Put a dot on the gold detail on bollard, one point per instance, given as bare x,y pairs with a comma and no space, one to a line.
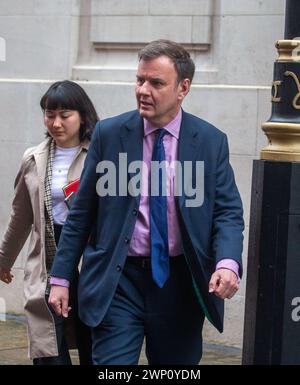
284,141
275,86
284,136
296,98
288,50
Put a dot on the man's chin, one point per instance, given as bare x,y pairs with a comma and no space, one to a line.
144,113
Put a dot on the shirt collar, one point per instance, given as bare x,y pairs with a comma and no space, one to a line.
173,127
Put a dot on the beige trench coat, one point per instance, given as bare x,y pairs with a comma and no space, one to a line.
27,217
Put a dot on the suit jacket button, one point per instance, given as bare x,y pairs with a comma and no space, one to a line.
119,268
134,212
127,240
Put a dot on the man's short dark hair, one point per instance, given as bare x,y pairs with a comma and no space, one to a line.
183,63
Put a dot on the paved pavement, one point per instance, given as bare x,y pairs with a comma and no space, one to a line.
13,347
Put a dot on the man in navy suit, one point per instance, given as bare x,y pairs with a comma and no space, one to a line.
154,264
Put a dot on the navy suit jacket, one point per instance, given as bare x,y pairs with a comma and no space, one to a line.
100,228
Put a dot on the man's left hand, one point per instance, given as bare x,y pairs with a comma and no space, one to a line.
224,283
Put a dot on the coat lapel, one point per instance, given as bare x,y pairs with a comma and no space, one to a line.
40,156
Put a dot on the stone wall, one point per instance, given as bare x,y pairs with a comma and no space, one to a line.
95,42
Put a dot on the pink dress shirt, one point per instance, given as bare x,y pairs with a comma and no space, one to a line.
140,241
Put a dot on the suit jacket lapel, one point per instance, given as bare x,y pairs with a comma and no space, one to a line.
132,141
190,145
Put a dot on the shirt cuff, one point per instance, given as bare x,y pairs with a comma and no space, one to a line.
230,264
59,282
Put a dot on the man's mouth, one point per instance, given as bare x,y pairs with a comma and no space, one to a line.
145,104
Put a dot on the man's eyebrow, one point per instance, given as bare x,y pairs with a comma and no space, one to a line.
152,80
157,80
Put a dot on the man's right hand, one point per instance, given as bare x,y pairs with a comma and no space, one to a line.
59,300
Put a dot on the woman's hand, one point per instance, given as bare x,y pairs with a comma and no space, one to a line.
5,275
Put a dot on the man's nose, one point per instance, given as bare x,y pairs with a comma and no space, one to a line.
145,88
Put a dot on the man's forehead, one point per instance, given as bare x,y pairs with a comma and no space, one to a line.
156,66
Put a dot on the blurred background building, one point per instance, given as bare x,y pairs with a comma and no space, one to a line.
95,42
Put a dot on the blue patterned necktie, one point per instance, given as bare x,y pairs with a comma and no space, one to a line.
158,219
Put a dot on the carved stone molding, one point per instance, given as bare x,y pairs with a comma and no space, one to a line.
112,32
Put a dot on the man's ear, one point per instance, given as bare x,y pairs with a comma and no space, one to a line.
184,89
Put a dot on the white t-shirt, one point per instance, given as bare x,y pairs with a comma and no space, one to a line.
63,158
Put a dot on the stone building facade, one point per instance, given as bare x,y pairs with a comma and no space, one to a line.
95,42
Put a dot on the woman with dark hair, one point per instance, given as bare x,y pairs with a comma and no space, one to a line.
39,208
